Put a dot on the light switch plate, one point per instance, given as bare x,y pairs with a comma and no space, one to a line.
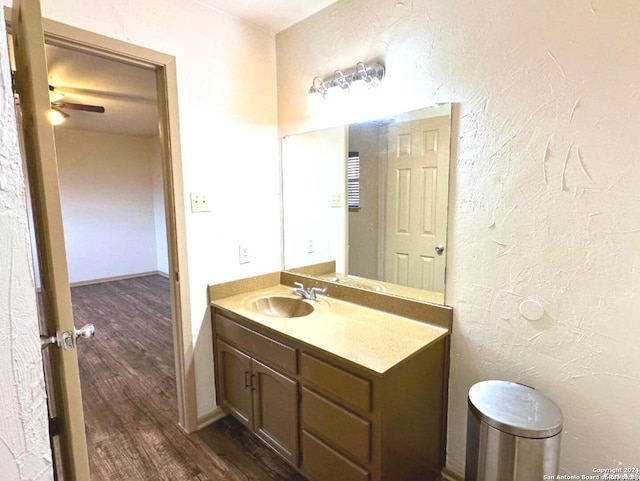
336,200
244,254
200,202
310,248
204,202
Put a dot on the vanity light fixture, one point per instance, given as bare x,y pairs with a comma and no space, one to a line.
316,94
339,87
360,82
355,82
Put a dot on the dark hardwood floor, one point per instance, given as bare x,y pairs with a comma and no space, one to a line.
129,394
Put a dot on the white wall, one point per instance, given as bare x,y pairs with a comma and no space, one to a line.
24,443
545,200
108,203
159,215
313,171
368,140
226,90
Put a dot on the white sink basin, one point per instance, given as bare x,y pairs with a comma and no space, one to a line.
281,306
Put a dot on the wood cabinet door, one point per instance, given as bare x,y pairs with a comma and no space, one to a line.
234,371
275,410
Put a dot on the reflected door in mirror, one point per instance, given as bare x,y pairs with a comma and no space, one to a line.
417,200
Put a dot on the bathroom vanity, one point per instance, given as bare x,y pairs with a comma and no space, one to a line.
352,388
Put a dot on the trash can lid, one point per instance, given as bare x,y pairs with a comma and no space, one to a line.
515,409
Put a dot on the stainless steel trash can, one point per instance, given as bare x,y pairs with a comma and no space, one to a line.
513,433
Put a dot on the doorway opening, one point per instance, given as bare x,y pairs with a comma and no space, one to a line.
113,198
104,242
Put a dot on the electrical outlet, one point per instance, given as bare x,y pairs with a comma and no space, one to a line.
199,202
244,254
310,248
336,200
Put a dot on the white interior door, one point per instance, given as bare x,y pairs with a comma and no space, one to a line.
40,152
417,201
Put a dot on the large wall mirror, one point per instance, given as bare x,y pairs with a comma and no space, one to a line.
372,197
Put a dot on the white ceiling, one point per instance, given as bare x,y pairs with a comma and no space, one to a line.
127,93
271,15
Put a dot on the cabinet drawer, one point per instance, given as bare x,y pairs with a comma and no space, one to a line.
343,385
337,425
324,464
268,350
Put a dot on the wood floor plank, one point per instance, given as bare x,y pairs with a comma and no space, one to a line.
129,393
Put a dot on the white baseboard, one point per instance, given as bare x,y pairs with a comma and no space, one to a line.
118,278
449,475
210,418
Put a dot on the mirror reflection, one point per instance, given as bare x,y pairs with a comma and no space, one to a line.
372,197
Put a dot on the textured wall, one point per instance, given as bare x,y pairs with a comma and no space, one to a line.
24,441
545,197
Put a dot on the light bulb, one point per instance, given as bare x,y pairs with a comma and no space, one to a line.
336,93
358,87
315,102
56,117
315,99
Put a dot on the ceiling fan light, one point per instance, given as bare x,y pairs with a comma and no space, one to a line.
56,116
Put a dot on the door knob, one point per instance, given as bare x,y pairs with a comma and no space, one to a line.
86,332
67,339
440,249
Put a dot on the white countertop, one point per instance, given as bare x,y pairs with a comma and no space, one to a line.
368,337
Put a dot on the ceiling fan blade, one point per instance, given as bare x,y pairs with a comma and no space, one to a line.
87,108
54,95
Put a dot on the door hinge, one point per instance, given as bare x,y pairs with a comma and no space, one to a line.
177,276
55,426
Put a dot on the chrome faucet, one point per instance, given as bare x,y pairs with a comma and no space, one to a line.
309,294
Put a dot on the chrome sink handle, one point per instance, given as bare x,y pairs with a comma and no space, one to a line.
317,290
309,294
299,290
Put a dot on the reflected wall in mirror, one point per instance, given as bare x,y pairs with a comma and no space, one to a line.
372,197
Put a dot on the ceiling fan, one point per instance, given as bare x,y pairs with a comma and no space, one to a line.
58,115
